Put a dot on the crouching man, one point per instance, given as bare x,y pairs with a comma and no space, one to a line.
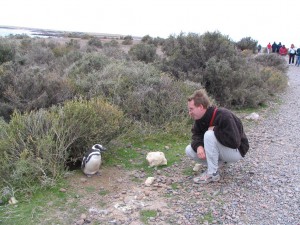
217,136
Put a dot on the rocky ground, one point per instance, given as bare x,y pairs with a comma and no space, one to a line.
262,189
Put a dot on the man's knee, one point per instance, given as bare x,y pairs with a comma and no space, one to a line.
188,150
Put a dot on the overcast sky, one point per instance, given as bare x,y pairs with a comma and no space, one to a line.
263,20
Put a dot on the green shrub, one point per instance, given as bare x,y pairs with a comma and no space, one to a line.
158,41
89,122
115,52
247,43
28,153
91,62
83,74
35,147
95,42
7,51
143,52
112,43
128,40
60,51
188,54
73,44
147,39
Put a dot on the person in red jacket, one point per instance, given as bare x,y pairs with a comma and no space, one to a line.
283,50
269,46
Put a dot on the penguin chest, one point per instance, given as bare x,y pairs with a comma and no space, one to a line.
93,165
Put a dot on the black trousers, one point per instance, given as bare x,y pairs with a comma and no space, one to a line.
291,58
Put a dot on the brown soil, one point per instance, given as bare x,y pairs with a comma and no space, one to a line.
114,195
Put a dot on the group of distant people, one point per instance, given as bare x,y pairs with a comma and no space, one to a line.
282,50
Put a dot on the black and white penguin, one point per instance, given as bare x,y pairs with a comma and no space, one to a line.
92,160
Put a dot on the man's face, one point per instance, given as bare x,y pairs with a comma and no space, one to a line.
195,112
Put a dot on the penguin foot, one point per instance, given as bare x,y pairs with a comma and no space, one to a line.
89,175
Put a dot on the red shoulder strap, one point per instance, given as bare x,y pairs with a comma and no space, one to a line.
213,117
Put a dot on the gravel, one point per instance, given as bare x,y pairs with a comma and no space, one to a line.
263,188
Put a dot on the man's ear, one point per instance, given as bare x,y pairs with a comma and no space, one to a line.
201,106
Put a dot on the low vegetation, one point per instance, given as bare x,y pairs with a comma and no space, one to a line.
58,98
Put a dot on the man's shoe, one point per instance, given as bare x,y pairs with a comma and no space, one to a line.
206,178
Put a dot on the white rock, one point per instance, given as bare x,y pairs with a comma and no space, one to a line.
12,201
197,167
252,116
156,159
149,181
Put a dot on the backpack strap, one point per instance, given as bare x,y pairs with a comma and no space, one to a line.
213,117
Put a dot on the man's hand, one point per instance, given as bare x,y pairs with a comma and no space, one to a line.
201,152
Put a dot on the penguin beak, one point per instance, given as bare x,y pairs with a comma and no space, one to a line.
103,149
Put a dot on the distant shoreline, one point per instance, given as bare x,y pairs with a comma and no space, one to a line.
56,33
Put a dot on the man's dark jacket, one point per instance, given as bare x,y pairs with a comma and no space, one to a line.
228,129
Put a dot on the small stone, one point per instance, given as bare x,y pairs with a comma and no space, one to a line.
149,181
197,167
80,222
83,216
12,201
83,180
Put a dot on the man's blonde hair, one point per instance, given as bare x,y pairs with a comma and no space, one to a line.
200,97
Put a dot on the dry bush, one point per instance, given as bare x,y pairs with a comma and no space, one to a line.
142,92
188,54
276,81
38,53
34,88
246,53
272,60
235,88
115,53
60,51
232,77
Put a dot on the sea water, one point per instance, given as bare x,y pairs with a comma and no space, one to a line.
6,32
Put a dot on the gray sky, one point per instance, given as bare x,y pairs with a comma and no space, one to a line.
263,20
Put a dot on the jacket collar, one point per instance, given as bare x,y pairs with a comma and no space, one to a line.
207,116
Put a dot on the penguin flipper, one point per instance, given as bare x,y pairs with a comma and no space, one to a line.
83,162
